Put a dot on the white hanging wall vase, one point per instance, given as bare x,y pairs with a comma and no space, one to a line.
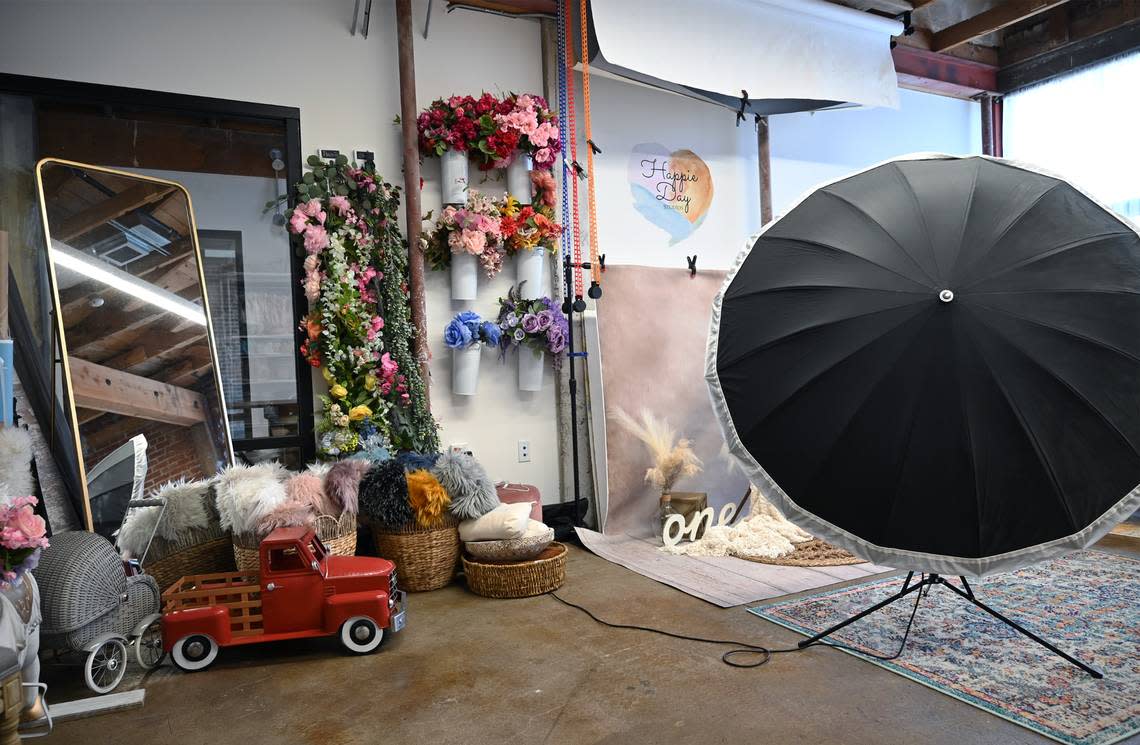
518,177
530,368
465,369
464,276
529,268
453,176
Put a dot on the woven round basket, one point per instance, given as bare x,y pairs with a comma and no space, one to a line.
338,534
207,557
425,557
521,579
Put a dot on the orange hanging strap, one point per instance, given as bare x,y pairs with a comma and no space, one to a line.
572,138
595,268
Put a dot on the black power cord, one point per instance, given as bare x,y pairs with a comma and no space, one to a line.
745,648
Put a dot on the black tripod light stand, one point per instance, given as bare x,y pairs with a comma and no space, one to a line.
929,581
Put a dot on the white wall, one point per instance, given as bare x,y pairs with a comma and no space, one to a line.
296,53
806,149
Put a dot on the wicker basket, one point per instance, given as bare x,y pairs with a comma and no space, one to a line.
425,557
247,552
197,551
521,579
338,534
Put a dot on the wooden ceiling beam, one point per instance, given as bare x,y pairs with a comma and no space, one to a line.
104,389
178,277
994,19
942,74
128,200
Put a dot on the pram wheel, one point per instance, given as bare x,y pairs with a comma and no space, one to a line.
105,666
148,645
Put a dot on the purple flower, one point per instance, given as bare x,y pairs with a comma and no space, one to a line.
512,319
545,319
556,339
530,323
519,335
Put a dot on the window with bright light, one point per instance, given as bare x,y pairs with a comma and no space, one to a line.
1083,127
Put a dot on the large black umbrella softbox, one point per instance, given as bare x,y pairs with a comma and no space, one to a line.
935,364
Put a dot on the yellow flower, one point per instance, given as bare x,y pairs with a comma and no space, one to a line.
356,413
369,382
338,391
326,375
510,207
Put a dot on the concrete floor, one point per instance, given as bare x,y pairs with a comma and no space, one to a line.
471,670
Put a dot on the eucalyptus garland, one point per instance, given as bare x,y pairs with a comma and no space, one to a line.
357,331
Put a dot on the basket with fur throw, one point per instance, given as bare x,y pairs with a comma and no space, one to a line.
255,500
411,516
188,539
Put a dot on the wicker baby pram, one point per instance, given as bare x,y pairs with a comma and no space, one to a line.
90,605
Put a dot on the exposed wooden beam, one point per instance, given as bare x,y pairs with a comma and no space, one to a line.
104,389
125,201
178,277
1069,58
942,74
994,19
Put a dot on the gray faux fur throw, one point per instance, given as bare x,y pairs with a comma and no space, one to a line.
187,507
247,494
471,490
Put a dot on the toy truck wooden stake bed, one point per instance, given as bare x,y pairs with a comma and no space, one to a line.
302,592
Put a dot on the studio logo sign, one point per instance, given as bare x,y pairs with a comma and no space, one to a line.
671,189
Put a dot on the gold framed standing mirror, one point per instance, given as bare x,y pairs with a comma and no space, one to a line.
136,352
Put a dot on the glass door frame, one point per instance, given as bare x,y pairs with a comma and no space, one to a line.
49,89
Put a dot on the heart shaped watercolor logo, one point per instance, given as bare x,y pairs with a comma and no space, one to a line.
673,190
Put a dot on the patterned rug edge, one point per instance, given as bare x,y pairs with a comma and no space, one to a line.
760,612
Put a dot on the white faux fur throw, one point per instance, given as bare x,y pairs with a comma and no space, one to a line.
186,508
764,534
246,494
15,462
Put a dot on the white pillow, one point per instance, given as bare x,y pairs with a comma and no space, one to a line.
503,522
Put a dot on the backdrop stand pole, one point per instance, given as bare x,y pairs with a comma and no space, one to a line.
764,157
968,593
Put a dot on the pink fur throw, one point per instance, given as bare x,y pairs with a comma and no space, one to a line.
342,483
286,515
306,489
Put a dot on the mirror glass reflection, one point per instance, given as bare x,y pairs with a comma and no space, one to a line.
141,376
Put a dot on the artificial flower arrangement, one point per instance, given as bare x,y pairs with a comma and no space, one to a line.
467,329
538,324
465,124
23,534
528,119
491,129
358,331
474,229
531,227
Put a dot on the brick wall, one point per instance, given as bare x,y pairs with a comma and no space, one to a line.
173,452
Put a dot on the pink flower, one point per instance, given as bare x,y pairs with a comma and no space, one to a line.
316,239
340,205
30,524
543,134
311,262
473,242
299,220
312,286
388,366
312,208
543,157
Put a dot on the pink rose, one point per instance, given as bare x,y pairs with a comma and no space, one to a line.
340,204
298,221
473,242
543,134
543,157
316,239
29,523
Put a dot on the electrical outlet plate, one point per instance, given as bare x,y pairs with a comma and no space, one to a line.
524,451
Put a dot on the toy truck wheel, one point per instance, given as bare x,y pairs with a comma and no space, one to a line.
194,652
361,635
105,666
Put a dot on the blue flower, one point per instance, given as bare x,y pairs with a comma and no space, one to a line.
490,333
457,335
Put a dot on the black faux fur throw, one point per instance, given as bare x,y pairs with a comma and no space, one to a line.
417,461
471,489
384,495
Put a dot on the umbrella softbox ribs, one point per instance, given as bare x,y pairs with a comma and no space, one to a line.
935,364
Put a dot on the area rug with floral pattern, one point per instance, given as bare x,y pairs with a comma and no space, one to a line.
1087,603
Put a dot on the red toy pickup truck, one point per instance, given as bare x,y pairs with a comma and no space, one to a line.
302,592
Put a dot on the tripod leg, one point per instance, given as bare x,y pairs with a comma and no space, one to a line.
907,589
969,595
